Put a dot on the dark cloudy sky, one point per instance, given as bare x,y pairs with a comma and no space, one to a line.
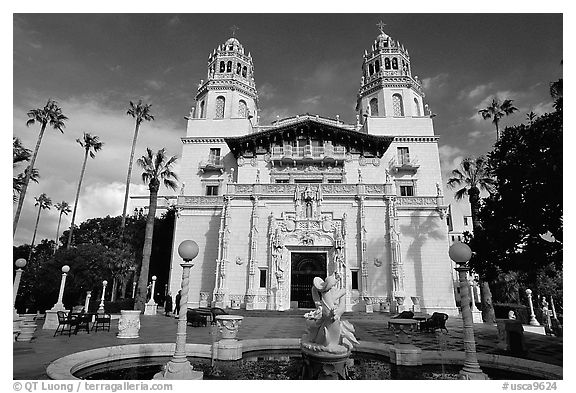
94,64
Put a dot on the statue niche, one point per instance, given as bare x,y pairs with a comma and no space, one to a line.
308,202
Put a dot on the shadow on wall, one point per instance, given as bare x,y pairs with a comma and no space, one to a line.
207,275
421,229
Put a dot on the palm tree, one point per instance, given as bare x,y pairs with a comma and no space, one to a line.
140,112
496,111
91,145
64,208
43,202
51,115
474,176
531,117
19,155
157,167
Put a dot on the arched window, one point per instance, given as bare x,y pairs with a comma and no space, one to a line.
417,107
242,109
220,102
244,71
387,63
377,66
222,66
202,114
229,66
374,107
397,106
394,63
238,68
371,69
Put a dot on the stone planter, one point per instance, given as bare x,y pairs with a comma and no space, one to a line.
129,324
229,348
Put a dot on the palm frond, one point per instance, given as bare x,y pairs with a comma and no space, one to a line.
458,195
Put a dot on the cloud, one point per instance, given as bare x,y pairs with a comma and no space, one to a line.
266,91
450,157
311,100
115,68
154,84
476,91
435,83
174,21
60,158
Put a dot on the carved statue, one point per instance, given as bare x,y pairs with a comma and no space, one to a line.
387,171
326,332
182,188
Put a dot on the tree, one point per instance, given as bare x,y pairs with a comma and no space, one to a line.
523,218
43,202
51,115
20,154
139,112
64,208
91,145
473,176
496,111
157,168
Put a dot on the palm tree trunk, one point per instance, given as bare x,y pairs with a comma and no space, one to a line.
488,314
34,236
114,288
27,180
147,250
497,132
76,201
57,233
123,222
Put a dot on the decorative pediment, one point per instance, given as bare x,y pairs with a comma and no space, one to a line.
335,139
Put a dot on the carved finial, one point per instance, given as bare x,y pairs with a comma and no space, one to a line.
359,176
257,176
234,29
182,188
381,26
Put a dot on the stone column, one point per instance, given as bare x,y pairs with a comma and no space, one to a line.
415,303
364,293
476,314
101,305
87,301
461,254
133,289
224,240
533,320
20,263
249,298
51,321
151,306
179,367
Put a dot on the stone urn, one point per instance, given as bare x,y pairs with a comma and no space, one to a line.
229,348
129,324
27,328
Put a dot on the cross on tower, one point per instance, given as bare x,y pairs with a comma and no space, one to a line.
234,28
381,26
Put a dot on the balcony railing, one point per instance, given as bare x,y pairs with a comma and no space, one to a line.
405,163
214,163
308,152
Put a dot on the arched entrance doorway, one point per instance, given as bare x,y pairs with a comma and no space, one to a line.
305,266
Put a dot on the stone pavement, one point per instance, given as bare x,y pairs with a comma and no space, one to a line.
31,359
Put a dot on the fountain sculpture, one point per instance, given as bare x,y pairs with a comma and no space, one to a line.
328,341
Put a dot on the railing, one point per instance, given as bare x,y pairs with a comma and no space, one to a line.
308,151
405,162
213,162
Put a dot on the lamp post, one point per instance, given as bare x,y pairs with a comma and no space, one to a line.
59,305
153,289
101,306
533,320
87,301
179,367
133,289
20,263
461,254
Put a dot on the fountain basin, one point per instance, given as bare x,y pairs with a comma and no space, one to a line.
66,367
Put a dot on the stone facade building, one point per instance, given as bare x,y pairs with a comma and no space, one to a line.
273,206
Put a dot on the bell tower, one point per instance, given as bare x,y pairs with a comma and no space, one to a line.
387,87
229,92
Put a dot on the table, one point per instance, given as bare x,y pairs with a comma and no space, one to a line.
420,318
81,320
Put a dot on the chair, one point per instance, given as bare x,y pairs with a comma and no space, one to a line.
102,321
196,317
217,311
80,320
64,323
404,315
436,321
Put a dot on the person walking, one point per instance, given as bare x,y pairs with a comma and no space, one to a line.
168,305
177,305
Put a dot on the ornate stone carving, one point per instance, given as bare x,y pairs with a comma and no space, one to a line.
244,189
239,261
241,161
129,324
374,188
200,201
416,201
253,161
362,161
377,262
376,161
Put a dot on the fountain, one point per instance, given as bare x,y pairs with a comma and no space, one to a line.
327,344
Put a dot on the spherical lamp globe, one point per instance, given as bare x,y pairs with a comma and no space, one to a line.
65,269
188,250
104,282
20,263
153,278
460,252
